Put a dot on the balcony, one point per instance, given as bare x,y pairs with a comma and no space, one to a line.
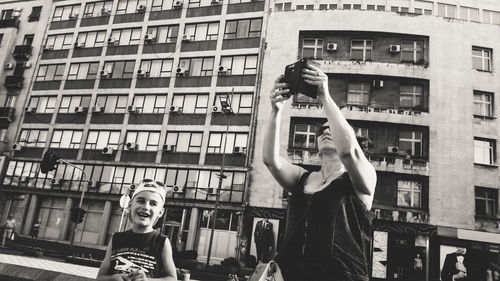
134,17
165,14
55,54
400,165
487,223
22,52
204,11
399,214
180,157
236,80
122,50
194,46
70,23
9,23
14,82
304,157
241,43
248,7
186,119
93,21
152,82
375,68
237,160
7,115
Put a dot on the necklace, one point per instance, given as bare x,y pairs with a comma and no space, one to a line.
325,180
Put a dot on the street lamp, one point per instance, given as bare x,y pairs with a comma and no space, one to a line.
225,102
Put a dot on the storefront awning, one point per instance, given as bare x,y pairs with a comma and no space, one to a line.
405,228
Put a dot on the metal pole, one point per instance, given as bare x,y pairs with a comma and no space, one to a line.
121,220
221,176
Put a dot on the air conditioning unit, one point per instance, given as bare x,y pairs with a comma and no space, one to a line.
215,2
239,150
23,179
177,4
378,83
16,147
48,47
30,109
222,70
216,109
181,72
16,13
149,38
132,109
79,45
140,73
103,74
111,41
169,147
26,64
332,47
186,38
178,189
97,109
8,66
175,109
73,16
131,146
141,8
107,150
81,109
393,149
395,48
104,12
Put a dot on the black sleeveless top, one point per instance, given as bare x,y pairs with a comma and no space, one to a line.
334,241
131,251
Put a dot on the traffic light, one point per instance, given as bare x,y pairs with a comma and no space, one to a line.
49,162
77,215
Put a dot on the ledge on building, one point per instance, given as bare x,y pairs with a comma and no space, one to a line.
254,6
22,52
107,118
62,24
165,14
213,10
102,20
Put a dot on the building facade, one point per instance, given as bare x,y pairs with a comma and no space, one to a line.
132,89
419,79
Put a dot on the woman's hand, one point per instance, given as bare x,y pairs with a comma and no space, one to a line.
277,98
314,76
138,275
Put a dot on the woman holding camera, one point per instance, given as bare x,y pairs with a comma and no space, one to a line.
329,223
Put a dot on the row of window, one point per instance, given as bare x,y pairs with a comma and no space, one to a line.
420,8
7,14
241,28
241,103
103,8
192,183
143,140
201,66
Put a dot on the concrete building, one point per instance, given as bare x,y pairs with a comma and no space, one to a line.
132,89
419,78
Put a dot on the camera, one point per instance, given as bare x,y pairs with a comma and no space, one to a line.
296,84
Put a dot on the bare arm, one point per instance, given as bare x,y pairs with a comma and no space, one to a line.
102,275
283,171
361,171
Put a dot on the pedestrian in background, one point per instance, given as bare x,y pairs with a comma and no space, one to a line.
8,232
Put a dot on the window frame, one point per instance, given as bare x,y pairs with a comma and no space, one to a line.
118,98
412,191
141,147
66,43
110,67
209,35
120,36
39,140
317,47
64,15
211,149
57,73
97,12
73,144
88,76
415,50
248,31
485,105
237,106
102,133
365,91
99,38
147,64
157,107
192,146
247,70
364,49
414,141
205,70
49,104
172,33
489,195
197,108
491,147
483,58
83,100
414,94
310,132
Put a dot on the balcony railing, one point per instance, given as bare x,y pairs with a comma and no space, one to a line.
7,113
399,165
304,157
14,82
22,52
401,214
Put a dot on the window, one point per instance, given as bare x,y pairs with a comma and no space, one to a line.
410,142
59,41
470,14
333,6
375,7
97,9
486,201
69,103
197,66
28,39
101,139
145,141
240,65
66,12
33,137
423,7
43,104
112,104
361,49
311,7
156,68
92,39
358,93
11,101
447,10
278,7
66,139
49,72
304,136
410,96
412,51
129,6
185,141
233,140
483,104
240,103
288,6
164,34
312,48
409,194
484,151
346,7
119,69
35,13
192,104
86,70
244,28
481,58
150,103
323,7
7,14
129,36
161,5
491,17
202,31
199,3
360,132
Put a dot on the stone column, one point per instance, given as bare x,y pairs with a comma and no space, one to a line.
30,217
193,224
106,216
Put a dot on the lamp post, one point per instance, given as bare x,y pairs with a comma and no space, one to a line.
225,102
